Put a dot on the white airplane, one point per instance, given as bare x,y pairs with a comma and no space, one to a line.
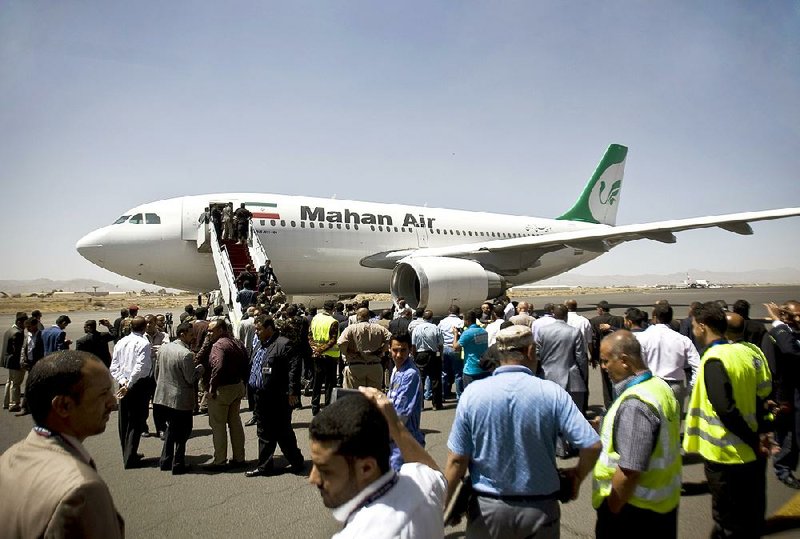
431,256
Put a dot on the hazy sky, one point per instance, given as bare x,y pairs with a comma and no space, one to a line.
495,106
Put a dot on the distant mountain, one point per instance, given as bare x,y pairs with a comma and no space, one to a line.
71,285
763,276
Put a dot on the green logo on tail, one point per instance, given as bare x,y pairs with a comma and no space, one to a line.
613,193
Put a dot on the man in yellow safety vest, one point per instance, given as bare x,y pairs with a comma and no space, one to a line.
723,424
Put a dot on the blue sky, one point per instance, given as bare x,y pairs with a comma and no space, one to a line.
503,107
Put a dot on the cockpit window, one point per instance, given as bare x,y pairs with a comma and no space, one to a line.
136,219
152,219
121,219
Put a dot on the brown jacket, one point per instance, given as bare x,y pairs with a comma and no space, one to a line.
48,490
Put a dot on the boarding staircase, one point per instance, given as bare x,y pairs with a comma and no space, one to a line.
230,259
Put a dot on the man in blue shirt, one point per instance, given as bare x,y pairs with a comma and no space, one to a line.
55,338
428,342
452,366
474,341
505,432
405,392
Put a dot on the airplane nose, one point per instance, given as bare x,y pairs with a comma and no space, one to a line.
90,245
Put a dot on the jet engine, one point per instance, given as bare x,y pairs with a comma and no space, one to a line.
436,283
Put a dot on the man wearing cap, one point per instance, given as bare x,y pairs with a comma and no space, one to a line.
516,485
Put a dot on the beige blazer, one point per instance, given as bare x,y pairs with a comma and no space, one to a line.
48,490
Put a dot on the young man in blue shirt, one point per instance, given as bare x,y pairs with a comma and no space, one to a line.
405,392
474,341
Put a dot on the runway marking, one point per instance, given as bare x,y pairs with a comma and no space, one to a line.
790,509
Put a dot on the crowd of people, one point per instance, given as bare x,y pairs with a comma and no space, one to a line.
715,384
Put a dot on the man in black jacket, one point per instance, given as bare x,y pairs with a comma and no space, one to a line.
95,342
275,376
782,348
12,348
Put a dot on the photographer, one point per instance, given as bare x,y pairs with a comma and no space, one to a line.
95,342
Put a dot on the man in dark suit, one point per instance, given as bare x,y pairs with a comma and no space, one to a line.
95,342
604,324
32,351
12,350
275,376
57,491
176,374
55,338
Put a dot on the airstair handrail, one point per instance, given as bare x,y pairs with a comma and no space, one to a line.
226,279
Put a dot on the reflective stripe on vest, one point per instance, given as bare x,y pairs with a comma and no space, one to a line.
321,332
749,376
659,487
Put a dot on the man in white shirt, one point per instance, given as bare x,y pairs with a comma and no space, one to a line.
581,323
667,353
494,326
130,366
350,452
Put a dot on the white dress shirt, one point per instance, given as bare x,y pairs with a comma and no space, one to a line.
582,324
412,508
492,330
666,352
131,359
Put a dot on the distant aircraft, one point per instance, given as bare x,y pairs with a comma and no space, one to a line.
433,257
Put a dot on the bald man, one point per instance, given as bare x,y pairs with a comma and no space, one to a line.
362,344
637,479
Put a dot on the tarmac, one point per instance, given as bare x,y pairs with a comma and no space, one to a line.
202,504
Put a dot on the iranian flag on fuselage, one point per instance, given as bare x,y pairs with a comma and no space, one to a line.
263,210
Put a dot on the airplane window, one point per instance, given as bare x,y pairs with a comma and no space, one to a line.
339,226
372,227
152,219
347,227
380,228
121,219
283,223
302,224
402,229
136,219
451,232
311,224
493,234
458,232
470,233
430,231
355,226
438,231
272,222
292,223
445,232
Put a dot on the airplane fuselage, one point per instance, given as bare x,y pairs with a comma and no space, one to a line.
316,245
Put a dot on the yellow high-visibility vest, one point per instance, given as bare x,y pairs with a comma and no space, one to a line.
321,332
750,379
659,487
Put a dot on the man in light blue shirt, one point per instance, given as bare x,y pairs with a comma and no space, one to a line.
427,342
505,433
452,366
405,392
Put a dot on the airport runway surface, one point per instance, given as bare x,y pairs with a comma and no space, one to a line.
202,504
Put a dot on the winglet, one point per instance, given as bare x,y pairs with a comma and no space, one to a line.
599,200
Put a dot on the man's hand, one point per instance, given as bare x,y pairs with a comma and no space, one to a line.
121,392
384,405
293,399
774,311
572,474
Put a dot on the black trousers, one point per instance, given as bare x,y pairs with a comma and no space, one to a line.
738,498
787,434
179,428
324,374
274,428
634,522
430,366
132,417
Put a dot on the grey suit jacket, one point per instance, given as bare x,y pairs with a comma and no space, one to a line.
50,491
562,356
175,376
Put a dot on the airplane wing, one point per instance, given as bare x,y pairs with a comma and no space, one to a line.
512,256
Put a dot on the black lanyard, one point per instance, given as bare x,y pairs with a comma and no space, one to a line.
386,487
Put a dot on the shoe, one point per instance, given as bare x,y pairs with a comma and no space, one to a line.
14,408
237,464
179,469
24,411
215,466
438,407
299,467
790,481
250,422
259,472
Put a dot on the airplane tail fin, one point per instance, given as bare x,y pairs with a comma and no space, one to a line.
599,200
